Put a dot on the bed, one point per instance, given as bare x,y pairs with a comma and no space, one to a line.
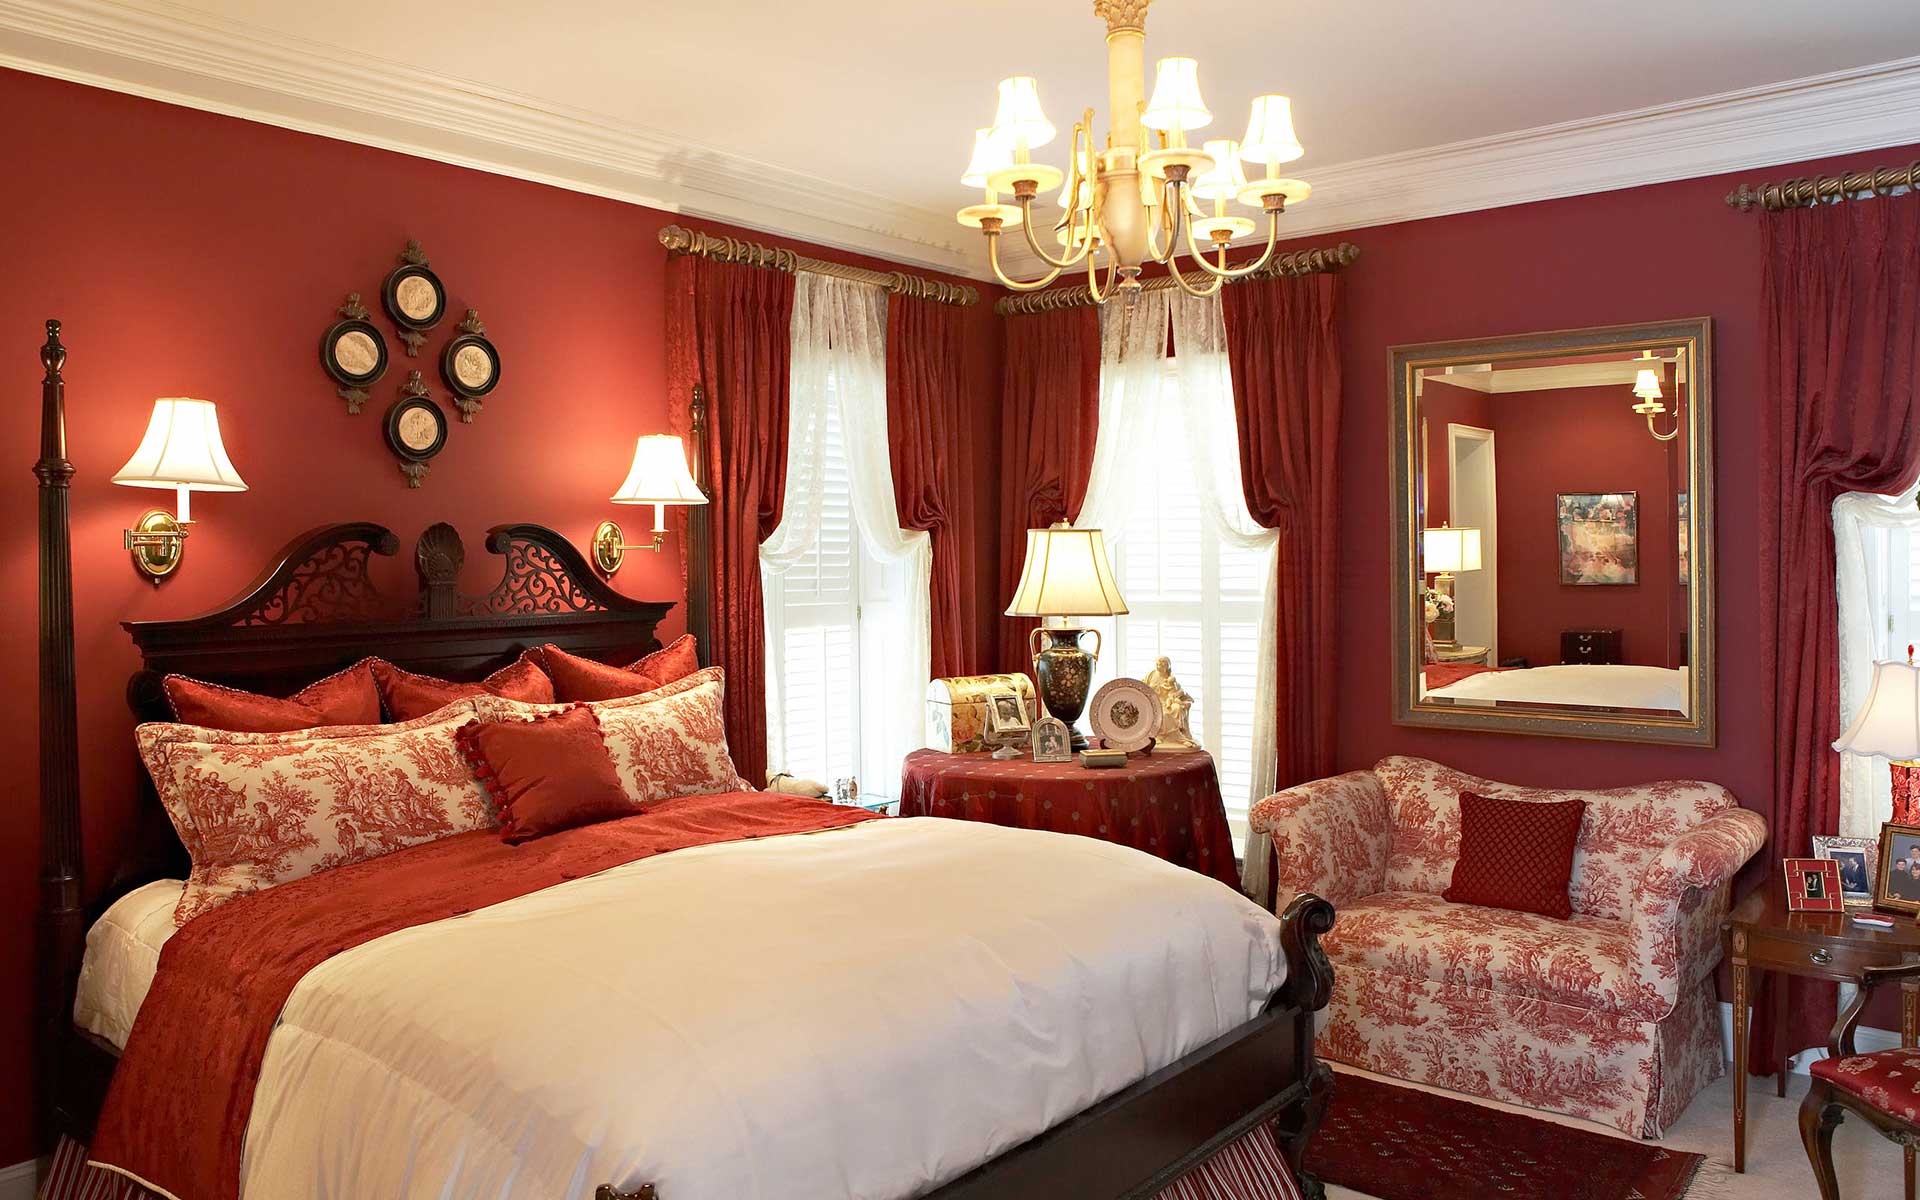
886,1009
1661,689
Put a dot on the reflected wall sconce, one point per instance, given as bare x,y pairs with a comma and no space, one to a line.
659,476
181,450
1646,386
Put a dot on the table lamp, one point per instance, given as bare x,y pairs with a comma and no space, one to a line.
182,450
1889,727
1446,551
1066,575
658,476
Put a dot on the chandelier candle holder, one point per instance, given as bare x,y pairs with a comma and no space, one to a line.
1150,193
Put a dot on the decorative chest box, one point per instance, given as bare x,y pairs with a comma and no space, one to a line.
957,709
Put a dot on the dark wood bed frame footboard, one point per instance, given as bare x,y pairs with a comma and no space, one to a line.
316,607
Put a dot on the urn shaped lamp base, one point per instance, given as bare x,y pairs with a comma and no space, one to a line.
1064,672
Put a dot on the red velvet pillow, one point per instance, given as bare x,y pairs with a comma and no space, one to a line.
676,662
407,695
545,773
1516,854
348,697
576,678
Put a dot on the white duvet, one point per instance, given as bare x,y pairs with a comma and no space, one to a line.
867,1012
1588,684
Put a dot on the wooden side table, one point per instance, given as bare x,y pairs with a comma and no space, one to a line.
1761,935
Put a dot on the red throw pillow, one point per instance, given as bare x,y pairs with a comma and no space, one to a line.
674,663
576,678
1516,854
545,773
407,695
348,697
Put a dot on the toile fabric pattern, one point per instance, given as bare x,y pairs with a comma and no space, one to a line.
1889,1080
259,809
1609,1015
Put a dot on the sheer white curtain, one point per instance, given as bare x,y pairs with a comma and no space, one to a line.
1877,563
1133,359
840,361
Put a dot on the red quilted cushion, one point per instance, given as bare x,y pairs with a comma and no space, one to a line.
348,697
407,695
1516,854
1885,1079
546,773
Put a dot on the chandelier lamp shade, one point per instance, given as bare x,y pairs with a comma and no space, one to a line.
1888,727
1150,192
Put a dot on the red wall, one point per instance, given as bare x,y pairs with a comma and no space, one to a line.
192,254
1580,440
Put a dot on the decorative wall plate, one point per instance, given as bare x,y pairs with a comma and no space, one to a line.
470,365
415,429
354,353
413,297
1125,714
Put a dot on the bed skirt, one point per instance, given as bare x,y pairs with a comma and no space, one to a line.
1249,1168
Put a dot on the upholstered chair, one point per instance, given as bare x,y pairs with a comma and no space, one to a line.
1610,1015
1882,1088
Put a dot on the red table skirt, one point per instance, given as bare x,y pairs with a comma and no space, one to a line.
1165,804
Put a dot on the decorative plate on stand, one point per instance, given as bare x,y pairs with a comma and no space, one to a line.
1125,714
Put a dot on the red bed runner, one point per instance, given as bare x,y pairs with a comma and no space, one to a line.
177,1111
1441,675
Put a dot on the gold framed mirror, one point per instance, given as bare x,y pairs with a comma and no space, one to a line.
1553,533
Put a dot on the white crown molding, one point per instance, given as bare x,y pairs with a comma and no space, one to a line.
166,52
169,53
1817,117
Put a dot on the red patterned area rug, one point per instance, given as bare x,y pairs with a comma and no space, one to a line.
1397,1143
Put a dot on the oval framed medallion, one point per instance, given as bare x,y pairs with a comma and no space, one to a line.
1125,714
353,352
470,365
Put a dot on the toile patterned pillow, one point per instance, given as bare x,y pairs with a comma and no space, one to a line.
259,809
669,742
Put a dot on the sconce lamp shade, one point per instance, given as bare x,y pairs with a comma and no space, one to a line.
1067,574
1448,551
182,449
1889,722
659,474
1646,384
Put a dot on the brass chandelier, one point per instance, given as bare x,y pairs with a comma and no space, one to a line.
1139,199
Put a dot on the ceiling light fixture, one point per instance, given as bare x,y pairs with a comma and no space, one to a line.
1139,199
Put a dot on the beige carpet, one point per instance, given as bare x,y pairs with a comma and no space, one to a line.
1867,1164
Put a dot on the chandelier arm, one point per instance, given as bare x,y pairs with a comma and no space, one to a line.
1664,437
993,260
1033,243
1098,294
1241,272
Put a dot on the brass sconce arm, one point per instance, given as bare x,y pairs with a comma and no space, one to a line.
610,545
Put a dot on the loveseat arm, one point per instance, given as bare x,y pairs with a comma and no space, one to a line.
1331,837
1681,900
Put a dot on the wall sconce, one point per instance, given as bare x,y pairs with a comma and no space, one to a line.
659,477
1646,386
182,450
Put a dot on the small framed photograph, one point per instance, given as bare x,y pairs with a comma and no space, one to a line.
1813,885
1006,716
1051,741
1858,858
1896,887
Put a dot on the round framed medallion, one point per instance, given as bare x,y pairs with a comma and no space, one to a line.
353,352
413,296
470,365
416,429
1125,714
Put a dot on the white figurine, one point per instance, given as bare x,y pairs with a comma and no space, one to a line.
1175,708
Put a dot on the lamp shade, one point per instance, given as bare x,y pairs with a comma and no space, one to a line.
1176,103
1226,178
1270,138
1019,121
659,474
1067,575
1447,550
1889,722
1646,384
989,155
182,449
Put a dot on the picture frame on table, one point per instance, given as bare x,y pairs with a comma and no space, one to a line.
1007,725
1813,885
1052,742
1896,887
1859,860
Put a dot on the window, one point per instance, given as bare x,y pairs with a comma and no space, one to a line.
1195,599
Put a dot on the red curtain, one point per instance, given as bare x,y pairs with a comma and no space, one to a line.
1284,351
1840,294
729,331
928,445
1050,409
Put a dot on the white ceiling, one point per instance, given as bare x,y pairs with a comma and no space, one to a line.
848,123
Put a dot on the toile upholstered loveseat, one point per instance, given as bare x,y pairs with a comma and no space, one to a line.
1609,1015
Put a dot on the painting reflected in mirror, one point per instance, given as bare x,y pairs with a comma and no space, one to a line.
1553,528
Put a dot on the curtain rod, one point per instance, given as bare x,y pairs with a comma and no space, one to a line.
1326,259
1825,189
681,240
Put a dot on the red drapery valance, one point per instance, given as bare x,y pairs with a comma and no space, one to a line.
1284,351
729,331
929,449
1840,292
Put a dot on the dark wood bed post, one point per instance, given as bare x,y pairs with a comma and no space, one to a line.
62,923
